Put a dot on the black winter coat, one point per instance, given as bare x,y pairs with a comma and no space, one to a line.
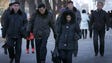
14,23
68,34
99,19
40,24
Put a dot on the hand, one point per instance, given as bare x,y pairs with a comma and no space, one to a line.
55,36
107,29
77,37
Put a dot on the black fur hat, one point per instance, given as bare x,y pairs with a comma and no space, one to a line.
15,3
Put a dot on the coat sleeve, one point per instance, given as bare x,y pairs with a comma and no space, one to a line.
91,20
23,28
3,17
77,31
107,20
5,25
52,24
24,19
78,16
58,29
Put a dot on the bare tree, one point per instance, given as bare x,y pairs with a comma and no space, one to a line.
59,5
22,4
32,6
39,1
48,4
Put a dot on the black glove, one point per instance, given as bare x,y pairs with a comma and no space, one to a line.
77,37
55,36
3,33
107,29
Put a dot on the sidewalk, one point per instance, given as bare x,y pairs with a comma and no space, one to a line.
85,54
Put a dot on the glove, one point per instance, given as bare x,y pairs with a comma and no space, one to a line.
3,33
77,37
107,29
55,36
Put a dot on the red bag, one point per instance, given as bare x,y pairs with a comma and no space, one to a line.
30,37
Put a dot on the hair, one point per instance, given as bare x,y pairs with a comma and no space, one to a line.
15,3
10,4
83,11
100,3
70,2
46,12
65,14
41,5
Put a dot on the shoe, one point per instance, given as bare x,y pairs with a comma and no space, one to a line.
5,51
75,55
96,54
27,51
102,54
33,50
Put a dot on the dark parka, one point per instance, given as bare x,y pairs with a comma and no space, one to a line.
67,33
40,24
4,15
14,23
98,20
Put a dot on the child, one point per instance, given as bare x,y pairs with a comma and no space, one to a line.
28,39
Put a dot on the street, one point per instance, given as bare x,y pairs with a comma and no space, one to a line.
85,54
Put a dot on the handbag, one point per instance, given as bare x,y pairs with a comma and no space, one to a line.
55,56
30,37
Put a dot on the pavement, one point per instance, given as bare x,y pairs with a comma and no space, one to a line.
85,54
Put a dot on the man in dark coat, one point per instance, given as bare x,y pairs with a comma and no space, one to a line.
99,20
40,25
4,15
13,25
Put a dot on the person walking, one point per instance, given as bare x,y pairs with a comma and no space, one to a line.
28,39
13,25
68,32
77,13
84,24
4,15
99,20
40,23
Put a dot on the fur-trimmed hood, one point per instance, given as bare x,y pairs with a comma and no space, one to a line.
74,9
64,14
19,12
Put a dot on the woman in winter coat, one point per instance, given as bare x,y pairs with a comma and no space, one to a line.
84,24
68,32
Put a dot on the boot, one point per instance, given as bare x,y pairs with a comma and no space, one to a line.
27,51
33,50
